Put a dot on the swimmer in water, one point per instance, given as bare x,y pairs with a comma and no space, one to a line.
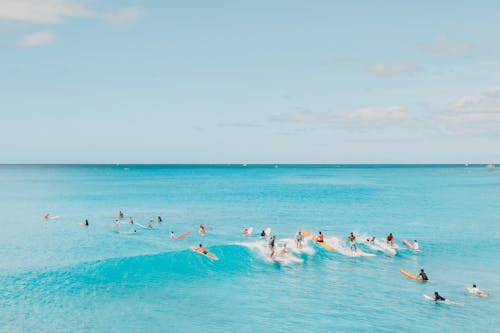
172,236
271,245
131,221
415,245
284,250
46,216
422,275
320,238
202,230
245,232
158,219
352,242
117,223
86,223
263,233
150,226
120,215
299,239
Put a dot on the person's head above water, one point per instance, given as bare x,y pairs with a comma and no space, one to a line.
201,245
474,286
422,270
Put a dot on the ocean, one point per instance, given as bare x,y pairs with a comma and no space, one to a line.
59,276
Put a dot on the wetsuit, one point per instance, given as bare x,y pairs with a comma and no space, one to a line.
423,276
439,298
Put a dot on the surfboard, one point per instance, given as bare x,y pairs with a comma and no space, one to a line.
429,298
54,217
410,246
184,234
277,260
322,244
143,226
412,276
479,293
208,255
128,232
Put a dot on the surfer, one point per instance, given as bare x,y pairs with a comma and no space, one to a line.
263,233
245,232
150,226
422,275
158,219
478,292
438,298
117,223
131,221
46,216
202,230
120,215
320,237
271,245
201,249
172,236
415,245
86,224
299,238
352,242
390,239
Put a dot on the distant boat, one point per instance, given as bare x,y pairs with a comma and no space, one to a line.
490,166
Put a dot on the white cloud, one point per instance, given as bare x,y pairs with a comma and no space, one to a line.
443,45
36,39
369,117
123,16
472,114
41,11
387,71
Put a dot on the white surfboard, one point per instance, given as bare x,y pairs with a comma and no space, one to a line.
429,298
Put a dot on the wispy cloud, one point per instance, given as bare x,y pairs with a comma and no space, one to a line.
41,11
472,114
443,45
362,118
382,70
124,16
36,39
242,124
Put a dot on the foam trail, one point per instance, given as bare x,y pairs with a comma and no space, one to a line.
345,250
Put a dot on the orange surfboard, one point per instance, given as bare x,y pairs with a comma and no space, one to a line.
412,276
184,234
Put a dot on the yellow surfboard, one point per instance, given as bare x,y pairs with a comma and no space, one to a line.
412,276
322,244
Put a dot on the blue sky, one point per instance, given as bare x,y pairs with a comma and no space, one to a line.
87,81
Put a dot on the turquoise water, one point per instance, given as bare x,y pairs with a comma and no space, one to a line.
58,276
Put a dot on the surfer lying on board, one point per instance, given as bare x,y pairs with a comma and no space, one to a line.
438,298
478,292
271,245
201,249
352,241
299,238
422,275
320,239
390,239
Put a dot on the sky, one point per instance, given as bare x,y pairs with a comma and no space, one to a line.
282,81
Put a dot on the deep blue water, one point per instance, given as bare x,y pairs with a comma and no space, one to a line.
56,275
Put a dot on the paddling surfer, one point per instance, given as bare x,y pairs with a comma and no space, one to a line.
201,249
320,238
438,298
